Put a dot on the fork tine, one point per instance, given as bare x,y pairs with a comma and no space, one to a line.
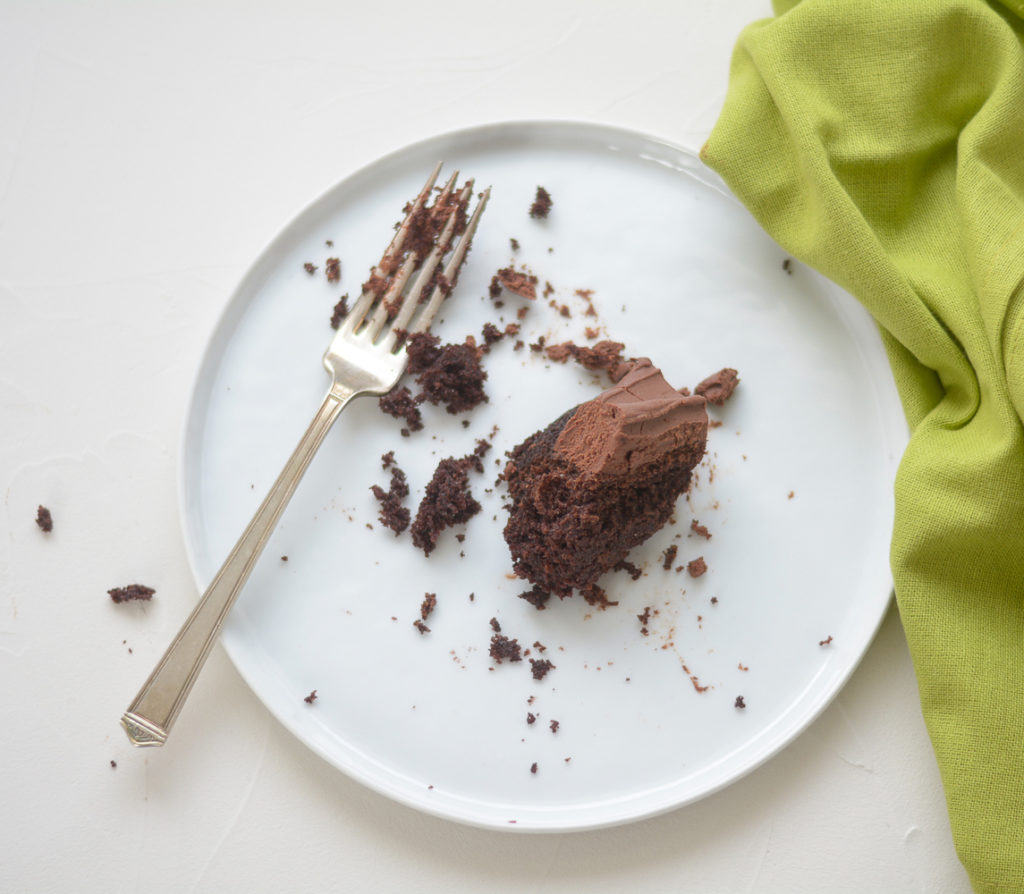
385,308
430,265
368,296
451,270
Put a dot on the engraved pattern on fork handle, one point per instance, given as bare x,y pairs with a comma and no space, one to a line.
151,715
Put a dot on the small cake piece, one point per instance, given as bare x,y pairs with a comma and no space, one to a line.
542,203
340,311
600,480
448,374
539,667
447,501
400,403
503,648
332,267
44,519
393,514
131,593
697,566
717,389
515,281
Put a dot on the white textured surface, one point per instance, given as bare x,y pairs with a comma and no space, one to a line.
146,154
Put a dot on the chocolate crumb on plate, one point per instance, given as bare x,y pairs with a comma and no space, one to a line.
697,566
332,267
448,374
739,703
420,626
312,697
393,514
518,282
446,502
539,667
44,519
554,726
542,203
533,767
309,268
428,605
669,556
531,718
400,403
504,648
113,765
131,593
718,388
700,529
340,311
632,570
495,626
826,642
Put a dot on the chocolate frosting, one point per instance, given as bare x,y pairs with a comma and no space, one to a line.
633,424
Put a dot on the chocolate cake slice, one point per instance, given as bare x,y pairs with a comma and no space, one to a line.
600,480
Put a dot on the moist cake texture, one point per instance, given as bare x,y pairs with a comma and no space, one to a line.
600,480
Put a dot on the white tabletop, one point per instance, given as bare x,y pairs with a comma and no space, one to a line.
147,153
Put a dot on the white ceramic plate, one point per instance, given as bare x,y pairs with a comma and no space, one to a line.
796,491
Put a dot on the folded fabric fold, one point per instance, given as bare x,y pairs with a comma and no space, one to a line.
882,142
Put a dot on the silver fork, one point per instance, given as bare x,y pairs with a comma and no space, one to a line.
366,357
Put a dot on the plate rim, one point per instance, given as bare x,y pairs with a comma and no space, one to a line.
895,426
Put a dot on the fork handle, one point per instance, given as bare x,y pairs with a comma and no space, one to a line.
151,715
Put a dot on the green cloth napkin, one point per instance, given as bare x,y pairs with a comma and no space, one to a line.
882,143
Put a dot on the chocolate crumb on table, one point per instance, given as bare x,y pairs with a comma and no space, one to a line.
309,268
739,703
697,566
340,311
131,593
513,243
44,519
420,626
718,388
312,697
332,267
504,648
539,667
495,626
542,203
531,718
554,724
533,767
826,642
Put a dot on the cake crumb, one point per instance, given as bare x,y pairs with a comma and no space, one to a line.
533,767
542,203
428,605
739,703
826,642
332,267
393,514
697,566
644,618
700,529
131,593
531,718
518,282
669,557
539,667
340,311
113,765
420,626
718,388
554,726
495,626
44,519
312,697
504,648
310,268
